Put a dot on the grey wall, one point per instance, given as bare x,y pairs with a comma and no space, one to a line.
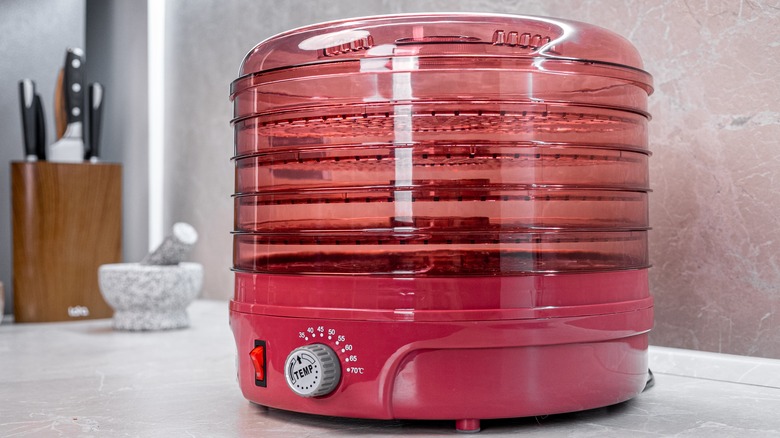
116,47
33,37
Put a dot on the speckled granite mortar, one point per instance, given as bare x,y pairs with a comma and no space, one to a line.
148,297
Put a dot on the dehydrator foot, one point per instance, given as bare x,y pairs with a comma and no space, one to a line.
467,425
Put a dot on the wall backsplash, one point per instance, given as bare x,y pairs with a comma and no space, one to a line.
715,136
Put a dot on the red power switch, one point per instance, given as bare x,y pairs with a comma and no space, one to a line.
258,361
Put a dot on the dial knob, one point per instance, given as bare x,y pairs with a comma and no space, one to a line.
312,370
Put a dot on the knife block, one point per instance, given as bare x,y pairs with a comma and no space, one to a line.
67,221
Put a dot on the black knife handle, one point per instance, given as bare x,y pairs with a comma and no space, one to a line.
27,101
74,85
95,107
40,122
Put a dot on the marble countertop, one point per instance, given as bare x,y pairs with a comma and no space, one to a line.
83,379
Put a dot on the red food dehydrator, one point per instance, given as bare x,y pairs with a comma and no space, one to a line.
441,216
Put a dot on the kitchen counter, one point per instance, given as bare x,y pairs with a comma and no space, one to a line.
83,379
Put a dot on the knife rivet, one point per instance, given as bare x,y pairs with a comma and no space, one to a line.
75,111
75,63
76,87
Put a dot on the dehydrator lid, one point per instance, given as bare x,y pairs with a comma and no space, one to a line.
456,35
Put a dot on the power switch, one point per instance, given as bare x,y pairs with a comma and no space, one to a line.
258,361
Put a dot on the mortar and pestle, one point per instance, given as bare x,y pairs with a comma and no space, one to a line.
154,294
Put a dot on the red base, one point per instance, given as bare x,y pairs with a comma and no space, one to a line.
437,364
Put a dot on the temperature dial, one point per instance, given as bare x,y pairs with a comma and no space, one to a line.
312,370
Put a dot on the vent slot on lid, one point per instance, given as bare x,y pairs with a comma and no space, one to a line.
523,40
357,45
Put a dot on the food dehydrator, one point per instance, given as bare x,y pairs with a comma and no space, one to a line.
441,216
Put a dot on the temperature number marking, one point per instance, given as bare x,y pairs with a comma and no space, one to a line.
340,340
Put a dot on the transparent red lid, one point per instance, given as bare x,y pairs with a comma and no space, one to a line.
447,35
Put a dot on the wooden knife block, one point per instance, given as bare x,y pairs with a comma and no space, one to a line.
67,221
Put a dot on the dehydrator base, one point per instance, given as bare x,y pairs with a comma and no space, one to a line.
463,370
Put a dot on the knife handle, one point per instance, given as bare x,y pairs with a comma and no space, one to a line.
74,85
60,124
95,108
29,129
40,122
